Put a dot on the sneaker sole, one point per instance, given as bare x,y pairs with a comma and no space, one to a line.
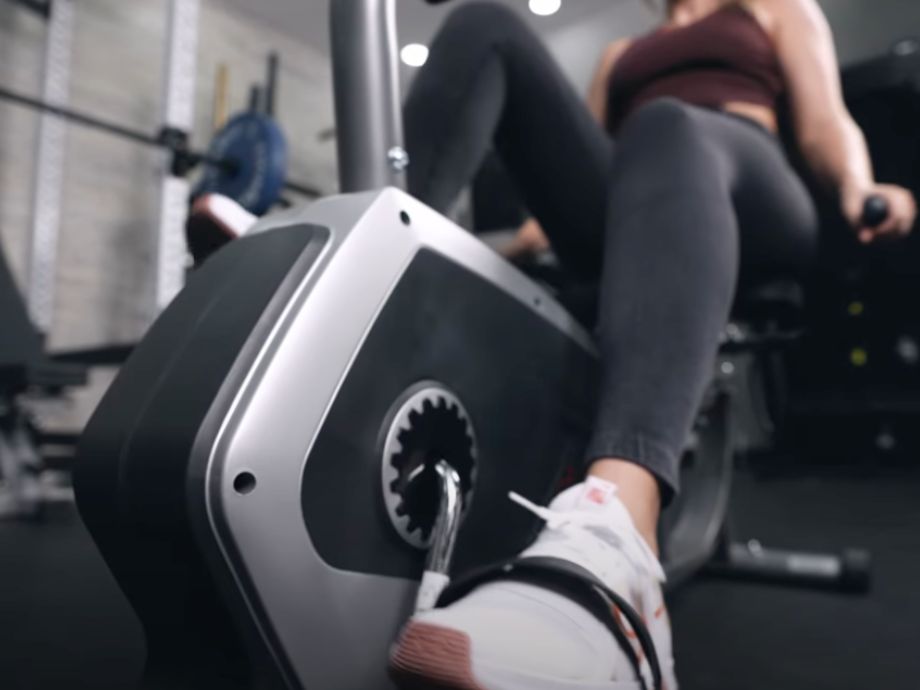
429,657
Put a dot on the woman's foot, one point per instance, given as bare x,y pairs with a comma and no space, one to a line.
514,636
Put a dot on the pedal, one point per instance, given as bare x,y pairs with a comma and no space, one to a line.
444,537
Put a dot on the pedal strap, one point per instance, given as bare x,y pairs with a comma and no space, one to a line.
577,584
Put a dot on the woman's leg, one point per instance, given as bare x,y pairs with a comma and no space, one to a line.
490,83
670,268
694,196
671,253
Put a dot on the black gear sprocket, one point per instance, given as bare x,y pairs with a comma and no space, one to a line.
427,424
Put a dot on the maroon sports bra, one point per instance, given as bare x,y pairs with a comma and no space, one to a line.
722,58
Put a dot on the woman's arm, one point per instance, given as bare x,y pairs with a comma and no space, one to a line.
597,93
830,140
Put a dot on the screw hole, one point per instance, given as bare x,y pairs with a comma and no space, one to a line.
244,483
404,217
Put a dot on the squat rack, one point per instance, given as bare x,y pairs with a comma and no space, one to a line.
49,162
172,139
173,192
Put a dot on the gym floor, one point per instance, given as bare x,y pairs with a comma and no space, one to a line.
66,626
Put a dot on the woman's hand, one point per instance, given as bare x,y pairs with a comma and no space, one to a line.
902,211
530,240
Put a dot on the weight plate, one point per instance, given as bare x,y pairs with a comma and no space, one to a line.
255,145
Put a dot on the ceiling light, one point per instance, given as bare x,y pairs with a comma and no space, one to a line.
544,8
414,54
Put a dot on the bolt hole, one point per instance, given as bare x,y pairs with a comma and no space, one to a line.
244,483
404,217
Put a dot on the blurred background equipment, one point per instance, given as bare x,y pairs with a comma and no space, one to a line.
855,378
31,474
50,157
247,159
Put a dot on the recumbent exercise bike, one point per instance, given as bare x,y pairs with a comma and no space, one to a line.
289,451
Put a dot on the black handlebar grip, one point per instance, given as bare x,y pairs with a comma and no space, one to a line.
856,571
875,211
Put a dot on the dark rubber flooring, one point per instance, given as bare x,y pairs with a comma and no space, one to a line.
64,625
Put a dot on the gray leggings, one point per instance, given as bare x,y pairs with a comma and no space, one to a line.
668,219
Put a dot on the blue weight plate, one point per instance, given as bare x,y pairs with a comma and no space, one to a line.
255,144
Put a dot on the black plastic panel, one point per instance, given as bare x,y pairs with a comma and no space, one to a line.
134,458
527,386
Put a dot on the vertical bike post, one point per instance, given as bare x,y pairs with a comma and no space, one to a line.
367,99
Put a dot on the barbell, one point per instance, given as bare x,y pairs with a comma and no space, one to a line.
246,159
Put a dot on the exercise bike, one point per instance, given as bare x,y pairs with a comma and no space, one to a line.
325,424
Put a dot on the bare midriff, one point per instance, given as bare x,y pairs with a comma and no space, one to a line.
760,114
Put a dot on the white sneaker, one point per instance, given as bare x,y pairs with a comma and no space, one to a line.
509,635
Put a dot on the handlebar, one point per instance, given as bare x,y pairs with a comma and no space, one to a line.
875,211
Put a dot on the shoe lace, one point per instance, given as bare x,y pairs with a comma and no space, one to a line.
620,534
